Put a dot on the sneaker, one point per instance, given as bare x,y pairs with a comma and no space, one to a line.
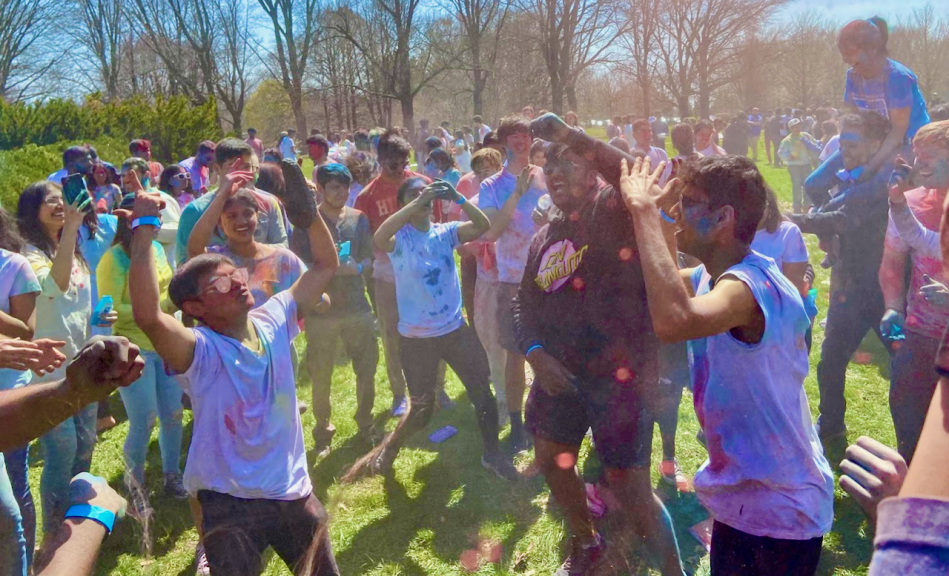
201,560
302,407
520,442
500,465
444,401
370,434
672,474
399,406
174,486
828,433
323,438
582,559
382,465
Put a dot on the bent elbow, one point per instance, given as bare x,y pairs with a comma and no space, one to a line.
666,335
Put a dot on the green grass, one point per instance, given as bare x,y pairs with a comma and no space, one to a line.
441,503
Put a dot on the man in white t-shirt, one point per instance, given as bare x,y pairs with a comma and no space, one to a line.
508,199
642,140
287,147
481,127
247,462
766,484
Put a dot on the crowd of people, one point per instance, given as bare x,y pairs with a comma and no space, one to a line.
613,275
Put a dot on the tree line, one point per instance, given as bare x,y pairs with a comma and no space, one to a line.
337,64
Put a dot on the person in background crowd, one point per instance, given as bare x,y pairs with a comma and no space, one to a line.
270,179
491,141
781,240
271,156
350,316
63,312
719,124
628,128
481,127
660,129
255,143
431,325
538,153
441,166
914,309
76,160
830,140
772,136
135,176
143,149
704,132
421,136
882,85
642,141
287,146
363,168
461,152
271,227
735,137
755,125
572,119
199,167
176,182
528,111
510,209
155,392
614,128
106,194
378,202
858,216
939,112
683,140
318,150
797,152
620,143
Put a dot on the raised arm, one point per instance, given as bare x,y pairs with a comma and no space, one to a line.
61,269
384,238
172,341
308,290
500,219
203,229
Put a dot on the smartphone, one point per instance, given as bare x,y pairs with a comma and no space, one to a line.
103,307
74,186
442,434
344,252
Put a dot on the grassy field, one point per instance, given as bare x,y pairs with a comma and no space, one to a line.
441,506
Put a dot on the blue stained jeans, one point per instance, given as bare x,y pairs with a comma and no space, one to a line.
12,540
67,451
18,471
154,394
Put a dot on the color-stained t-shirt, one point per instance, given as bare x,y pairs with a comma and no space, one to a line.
895,87
515,241
268,275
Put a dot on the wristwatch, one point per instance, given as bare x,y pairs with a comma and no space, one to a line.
96,513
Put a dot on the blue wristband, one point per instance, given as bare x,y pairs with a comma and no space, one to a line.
666,217
100,515
146,221
461,200
532,348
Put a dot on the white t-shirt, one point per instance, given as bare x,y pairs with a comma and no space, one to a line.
247,439
286,149
713,150
785,244
832,146
766,474
483,131
515,241
426,282
16,278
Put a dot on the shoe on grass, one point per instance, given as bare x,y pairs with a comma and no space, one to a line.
399,406
500,465
139,507
672,474
582,558
323,438
520,442
175,487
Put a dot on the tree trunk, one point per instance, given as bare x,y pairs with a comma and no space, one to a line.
556,95
683,105
408,113
572,97
480,79
296,102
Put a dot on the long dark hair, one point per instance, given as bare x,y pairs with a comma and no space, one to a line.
10,239
772,211
123,232
164,180
28,219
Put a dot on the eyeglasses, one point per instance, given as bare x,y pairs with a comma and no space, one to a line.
182,176
222,284
54,201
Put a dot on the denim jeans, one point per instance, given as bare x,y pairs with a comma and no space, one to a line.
799,174
18,471
67,451
912,384
153,394
12,540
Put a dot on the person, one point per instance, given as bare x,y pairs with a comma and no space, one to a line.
431,325
781,240
581,321
771,503
318,150
736,135
63,312
255,143
620,143
106,194
155,392
512,226
363,168
271,228
830,140
755,125
704,131
421,136
246,464
528,112
481,127
287,146
76,160
918,316
176,182
858,216
135,176
882,85
461,153
378,201
773,137
796,152
660,129
198,166
627,128
939,112
491,141
271,156
642,141
441,164
718,123
143,149
614,128
350,316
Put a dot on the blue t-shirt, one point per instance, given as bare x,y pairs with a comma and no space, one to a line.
754,129
92,250
895,87
426,282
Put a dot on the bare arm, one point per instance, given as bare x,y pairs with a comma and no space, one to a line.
204,228
61,268
892,276
476,225
927,476
384,238
500,219
794,271
20,322
308,290
899,119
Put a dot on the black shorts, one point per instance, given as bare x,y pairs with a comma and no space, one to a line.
620,416
506,333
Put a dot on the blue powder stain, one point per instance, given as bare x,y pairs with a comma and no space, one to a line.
431,277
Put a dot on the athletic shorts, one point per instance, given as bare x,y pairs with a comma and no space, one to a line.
620,417
506,293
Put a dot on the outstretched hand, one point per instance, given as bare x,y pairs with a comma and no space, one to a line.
40,356
639,185
872,472
236,179
549,127
524,181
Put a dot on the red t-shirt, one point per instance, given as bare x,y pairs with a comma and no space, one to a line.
378,201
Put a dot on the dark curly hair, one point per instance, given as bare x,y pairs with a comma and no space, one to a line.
392,144
730,181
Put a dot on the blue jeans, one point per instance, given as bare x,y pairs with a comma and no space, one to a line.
155,393
12,540
18,471
67,451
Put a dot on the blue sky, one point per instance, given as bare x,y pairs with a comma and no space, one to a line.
842,10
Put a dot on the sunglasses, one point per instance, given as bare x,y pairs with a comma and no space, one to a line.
222,284
181,176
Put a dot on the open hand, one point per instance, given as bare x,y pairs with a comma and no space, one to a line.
550,374
935,292
51,357
872,472
639,188
524,181
236,179
85,488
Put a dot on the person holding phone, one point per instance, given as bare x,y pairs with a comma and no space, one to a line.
431,325
63,312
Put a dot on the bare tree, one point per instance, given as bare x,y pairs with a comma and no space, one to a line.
641,45
101,29
482,22
25,45
921,42
807,48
